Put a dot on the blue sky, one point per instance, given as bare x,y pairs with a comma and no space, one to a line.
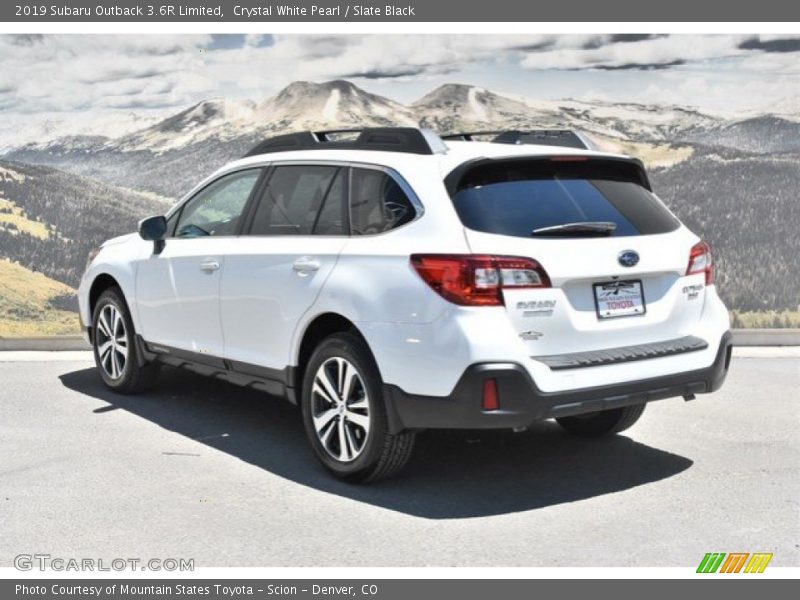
80,75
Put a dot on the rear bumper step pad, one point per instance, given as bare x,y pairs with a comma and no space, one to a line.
612,356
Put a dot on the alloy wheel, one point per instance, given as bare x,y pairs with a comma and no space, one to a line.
112,341
340,409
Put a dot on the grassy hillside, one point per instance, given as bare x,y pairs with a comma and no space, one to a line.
745,206
14,218
50,220
30,304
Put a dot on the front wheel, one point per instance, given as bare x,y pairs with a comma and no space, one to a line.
344,413
114,344
606,422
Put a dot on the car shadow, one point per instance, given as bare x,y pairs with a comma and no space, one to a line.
451,475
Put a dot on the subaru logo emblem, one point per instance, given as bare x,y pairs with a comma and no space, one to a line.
628,258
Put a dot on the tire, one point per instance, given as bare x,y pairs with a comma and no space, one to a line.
606,422
355,416
115,351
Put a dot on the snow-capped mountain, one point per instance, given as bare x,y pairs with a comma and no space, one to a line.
217,117
301,105
454,107
50,128
169,156
166,157
306,105
338,104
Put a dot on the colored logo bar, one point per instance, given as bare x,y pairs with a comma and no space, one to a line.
734,562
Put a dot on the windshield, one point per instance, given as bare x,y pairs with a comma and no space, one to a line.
517,200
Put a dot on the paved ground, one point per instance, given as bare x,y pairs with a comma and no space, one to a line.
212,472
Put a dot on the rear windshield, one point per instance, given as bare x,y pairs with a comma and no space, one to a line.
516,198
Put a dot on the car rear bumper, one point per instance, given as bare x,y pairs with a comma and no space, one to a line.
522,402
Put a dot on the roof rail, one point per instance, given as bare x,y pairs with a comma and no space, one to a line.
565,138
389,139
469,136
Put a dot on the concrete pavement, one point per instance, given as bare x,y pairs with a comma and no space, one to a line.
201,469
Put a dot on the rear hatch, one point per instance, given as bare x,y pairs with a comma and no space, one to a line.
616,258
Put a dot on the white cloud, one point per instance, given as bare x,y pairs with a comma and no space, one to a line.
652,53
73,73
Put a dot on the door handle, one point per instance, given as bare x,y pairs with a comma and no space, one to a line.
305,265
209,265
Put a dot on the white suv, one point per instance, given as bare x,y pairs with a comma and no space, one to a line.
390,281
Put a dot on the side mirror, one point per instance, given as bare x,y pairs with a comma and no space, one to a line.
154,229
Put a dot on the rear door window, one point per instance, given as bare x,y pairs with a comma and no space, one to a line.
292,200
520,197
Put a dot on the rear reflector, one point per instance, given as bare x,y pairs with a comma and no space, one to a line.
701,261
490,398
478,279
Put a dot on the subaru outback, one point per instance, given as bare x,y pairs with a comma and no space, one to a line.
389,281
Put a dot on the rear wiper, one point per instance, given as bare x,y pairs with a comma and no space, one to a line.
580,227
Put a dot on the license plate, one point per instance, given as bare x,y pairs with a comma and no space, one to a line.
614,299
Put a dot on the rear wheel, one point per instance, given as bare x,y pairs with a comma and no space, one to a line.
344,413
606,422
115,351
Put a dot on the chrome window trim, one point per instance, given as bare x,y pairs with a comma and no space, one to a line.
416,203
419,208
398,178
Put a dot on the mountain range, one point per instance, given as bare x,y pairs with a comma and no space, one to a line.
733,178
167,156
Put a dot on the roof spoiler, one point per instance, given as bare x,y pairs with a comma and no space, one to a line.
619,168
565,138
410,140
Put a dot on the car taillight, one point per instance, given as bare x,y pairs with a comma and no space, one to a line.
701,261
478,279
